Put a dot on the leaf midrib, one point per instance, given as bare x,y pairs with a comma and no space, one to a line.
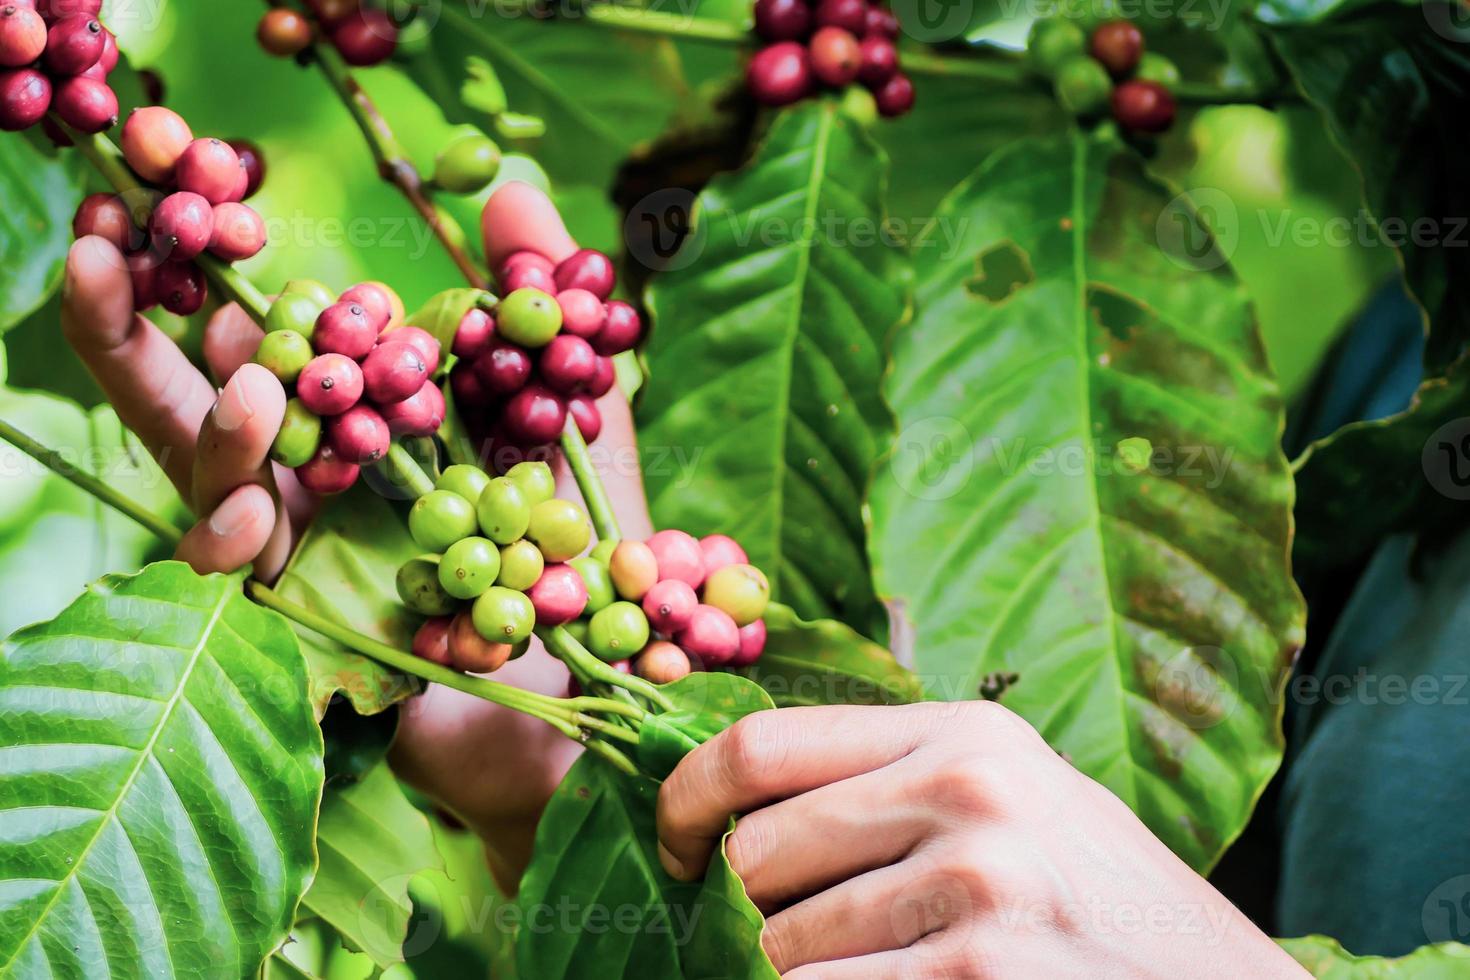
144,754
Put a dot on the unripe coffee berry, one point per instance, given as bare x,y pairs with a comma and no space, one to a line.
153,139
587,269
752,644
238,232
585,413
779,74
439,518
73,45
1143,107
535,479
620,331
106,216
559,595
87,104
420,414
895,96
299,437
633,569
669,605
582,313
528,317
469,567
392,372
617,632
560,529
468,165
850,15
740,590
877,61
467,481
535,416
418,586
662,663
358,434
284,353
295,311
503,367
711,636
567,364
253,162
330,384
720,550
1118,45
22,35
1154,67
600,592
25,98
181,288
420,340
326,473
679,557
209,168
473,335
182,225
504,615
471,651
521,564
782,20
283,32
1052,41
502,510
365,37
431,641
344,328
835,55
1082,86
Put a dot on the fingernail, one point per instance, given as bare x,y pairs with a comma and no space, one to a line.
671,864
232,516
233,410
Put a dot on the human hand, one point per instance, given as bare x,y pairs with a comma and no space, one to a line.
943,840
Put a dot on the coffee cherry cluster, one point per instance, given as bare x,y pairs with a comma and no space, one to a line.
363,35
55,56
1114,74
359,377
545,352
504,555
831,43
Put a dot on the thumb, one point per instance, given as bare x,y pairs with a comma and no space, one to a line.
519,217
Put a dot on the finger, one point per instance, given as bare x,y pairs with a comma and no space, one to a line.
157,393
800,846
230,340
892,965
233,535
235,439
770,756
518,217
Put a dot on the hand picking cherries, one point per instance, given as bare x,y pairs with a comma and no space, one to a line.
55,56
545,353
504,555
360,377
1115,73
831,43
363,35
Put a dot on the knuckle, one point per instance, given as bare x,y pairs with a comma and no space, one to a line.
753,746
749,845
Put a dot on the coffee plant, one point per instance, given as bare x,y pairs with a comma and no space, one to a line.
943,390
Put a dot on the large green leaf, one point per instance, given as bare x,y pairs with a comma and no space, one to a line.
599,95
160,771
372,841
1324,957
38,194
825,662
763,416
1088,489
1393,82
345,569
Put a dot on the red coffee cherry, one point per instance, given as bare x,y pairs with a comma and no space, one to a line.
470,393
143,270
332,12
181,288
475,331
420,340
720,550
587,269
254,163
620,331
895,97
585,413
365,38
344,328
106,216
879,61
850,15
73,45
327,473
1143,107
358,435
1118,44
711,636
670,605
56,9
418,415
110,55
373,298
782,20
535,416
503,368
567,364
25,97
880,21
22,35
330,384
779,74
182,225
431,642
153,139
835,56
603,378
283,32
209,168
527,275
752,644
86,104
238,232
393,371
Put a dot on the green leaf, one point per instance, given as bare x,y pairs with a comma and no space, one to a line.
38,196
599,95
1324,957
372,841
161,772
825,662
763,418
440,316
1149,612
348,576
1390,86
705,704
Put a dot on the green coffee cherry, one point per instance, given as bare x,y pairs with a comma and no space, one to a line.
560,529
1053,40
503,511
1154,67
521,565
578,629
528,317
293,311
319,292
467,481
468,165
284,353
535,479
469,567
1083,86
419,588
618,631
439,518
503,615
603,551
594,574
300,435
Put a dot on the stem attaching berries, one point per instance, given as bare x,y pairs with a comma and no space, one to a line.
833,43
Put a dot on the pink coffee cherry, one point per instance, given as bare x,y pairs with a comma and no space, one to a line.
182,225
330,384
375,300
752,644
417,338
344,328
711,636
238,232
559,595
418,415
720,550
358,435
326,473
22,35
106,216
527,275
587,269
582,313
392,372
209,168
84,103
475,331
73,45
534,416
603,378
25,98
670,605
679,557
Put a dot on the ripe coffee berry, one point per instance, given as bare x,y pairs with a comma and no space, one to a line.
1118,44
143,271
344,328
585,413
1143,107
380,303
662,663
895,97
711,636
22,35
620,331
780,74
752,644
106,216
283,32
560,529
326,473
535,415
153,139
86,104
25,97
881,22
420,414
835,56
473,334
472,652
209,168
254,163
670,605
73,45
238,232
56,9
358,434
181,288
393,371
878,60
330,384
559,595
603,379
782,20
365,37
331,12
567,364
431,642
617,632
718,551
528,317
182,225
504,368
850,15
679,557
526,275
420,340
582,313
587,269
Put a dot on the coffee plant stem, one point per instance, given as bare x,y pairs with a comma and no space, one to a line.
402,470
109,495
607,728
565,647
599,507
